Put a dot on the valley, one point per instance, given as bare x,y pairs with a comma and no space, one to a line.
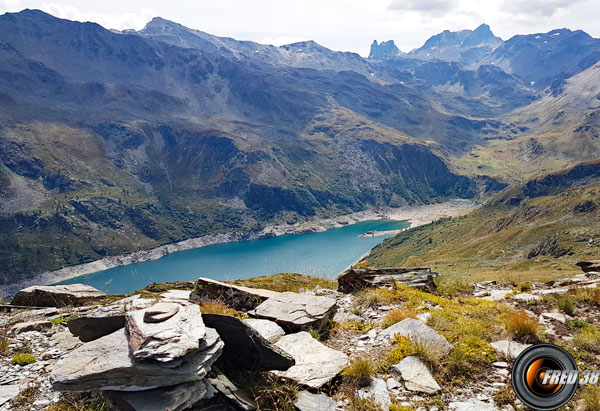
177,134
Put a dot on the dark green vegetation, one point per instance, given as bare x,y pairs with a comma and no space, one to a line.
115,142
535,232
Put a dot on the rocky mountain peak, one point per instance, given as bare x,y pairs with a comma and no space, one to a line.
386,49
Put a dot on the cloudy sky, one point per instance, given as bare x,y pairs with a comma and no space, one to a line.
348,25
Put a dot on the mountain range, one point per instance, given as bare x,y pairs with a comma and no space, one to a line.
112,142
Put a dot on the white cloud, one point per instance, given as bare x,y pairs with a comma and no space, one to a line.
543,8
10,5
121,21
428,6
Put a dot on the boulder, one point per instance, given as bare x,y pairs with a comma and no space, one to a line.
57,295
417,331
509,349
245,348
237,397
106,364
355,279
297,312
91,327
316,364
378,392
65,340
416,375
589,266
40,325
172,398
307,401
179,332
269,330
236,296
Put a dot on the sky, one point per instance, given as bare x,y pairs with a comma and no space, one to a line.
345,25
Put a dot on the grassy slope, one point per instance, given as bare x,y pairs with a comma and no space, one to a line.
493,242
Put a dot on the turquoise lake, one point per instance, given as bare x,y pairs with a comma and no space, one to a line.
324,254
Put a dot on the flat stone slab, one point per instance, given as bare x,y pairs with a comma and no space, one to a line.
31,326
57,295
236,396
472,405
297,312
416,375
307,401
106,364
560,317
269,330
245,348
236,296
180,331
316,364
509,349
173,398
417,331
160,312
96,325
8,392
525,297
496,295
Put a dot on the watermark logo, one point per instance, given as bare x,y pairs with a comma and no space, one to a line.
545,377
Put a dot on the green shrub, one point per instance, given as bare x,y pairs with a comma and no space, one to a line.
566,305
23,359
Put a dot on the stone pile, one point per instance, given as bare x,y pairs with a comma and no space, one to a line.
159,360
355,279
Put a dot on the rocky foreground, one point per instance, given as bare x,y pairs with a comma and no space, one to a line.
393,340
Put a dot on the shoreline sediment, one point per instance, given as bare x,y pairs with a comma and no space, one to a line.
415,215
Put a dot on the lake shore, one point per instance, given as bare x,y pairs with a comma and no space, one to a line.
415,215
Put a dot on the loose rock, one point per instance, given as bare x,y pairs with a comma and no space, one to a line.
237,397
378,392
509,349
416,375
178,333
57,295
307,401
417,331
173,398
245,348
31,326
269,330
316,364
238,297
296,312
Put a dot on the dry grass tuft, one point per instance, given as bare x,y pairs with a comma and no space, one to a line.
4,343
524,327
216,307
80,402
591,398
360,371
396,315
